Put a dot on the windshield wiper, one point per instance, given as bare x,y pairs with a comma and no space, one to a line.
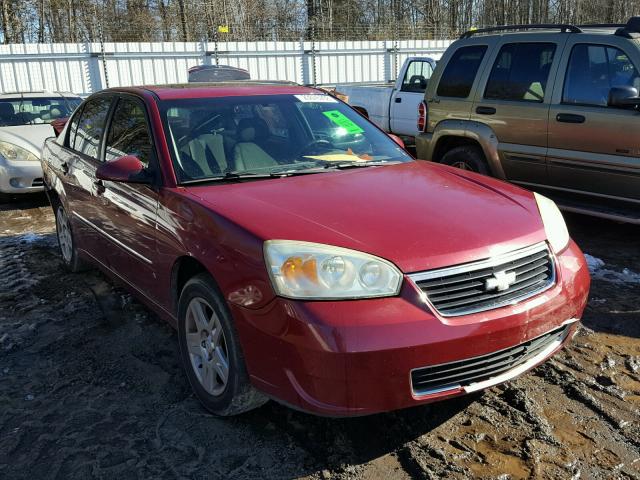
227,177
356,164
235,176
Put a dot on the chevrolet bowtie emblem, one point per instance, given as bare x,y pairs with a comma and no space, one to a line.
500,281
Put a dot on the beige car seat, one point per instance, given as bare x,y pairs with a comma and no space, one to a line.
206,151
247,154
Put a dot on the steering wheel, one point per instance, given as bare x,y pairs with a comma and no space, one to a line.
326,144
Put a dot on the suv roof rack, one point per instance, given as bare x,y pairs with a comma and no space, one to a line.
631,29
563,27
602,25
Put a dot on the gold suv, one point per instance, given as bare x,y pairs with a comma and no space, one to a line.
553,108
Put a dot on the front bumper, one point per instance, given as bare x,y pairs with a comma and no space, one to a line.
356,357
424,149
20,177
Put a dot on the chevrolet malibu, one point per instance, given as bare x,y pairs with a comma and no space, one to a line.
303,255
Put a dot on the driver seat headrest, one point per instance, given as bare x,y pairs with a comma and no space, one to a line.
250,129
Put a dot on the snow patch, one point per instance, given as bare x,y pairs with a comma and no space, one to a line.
594,263
30,237
598,272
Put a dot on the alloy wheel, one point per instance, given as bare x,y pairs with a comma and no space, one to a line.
207,346
64,235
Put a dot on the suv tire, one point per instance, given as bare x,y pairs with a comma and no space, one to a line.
210,351
467,157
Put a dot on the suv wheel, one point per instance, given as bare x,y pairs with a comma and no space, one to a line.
467,157
210,351
70,257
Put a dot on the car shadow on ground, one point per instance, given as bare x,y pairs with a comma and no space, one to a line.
613,251
23,201
334,442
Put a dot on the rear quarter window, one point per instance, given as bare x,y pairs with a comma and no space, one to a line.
459,74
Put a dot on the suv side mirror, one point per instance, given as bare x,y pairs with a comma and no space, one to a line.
623,97
127,169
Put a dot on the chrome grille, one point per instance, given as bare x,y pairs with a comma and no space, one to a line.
463,373
488,284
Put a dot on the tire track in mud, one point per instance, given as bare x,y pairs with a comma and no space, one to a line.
90,386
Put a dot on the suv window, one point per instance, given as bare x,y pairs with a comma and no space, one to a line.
416,77
593,70
91,126
457,78
128,133
520,72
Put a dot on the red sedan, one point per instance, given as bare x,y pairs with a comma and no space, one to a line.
303,255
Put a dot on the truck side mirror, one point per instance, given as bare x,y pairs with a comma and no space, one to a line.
623,97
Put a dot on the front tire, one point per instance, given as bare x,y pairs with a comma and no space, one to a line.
66,241
210,351
467,157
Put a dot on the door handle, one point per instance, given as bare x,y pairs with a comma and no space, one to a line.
570,118
485,111
398,99
64,166
99,186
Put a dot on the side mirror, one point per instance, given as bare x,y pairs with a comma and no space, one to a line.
396,139
58,124
623,97
127,169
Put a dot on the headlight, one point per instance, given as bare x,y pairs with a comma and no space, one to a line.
15,153
554,225
323,272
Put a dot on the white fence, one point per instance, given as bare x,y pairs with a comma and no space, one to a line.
87,67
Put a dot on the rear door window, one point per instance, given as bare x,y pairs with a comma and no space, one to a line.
520,72
459,74
129,133
91,126
593,70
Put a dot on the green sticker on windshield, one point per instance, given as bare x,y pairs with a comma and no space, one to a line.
342,121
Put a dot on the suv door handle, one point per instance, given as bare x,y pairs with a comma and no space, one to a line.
485,111
398,99
570,118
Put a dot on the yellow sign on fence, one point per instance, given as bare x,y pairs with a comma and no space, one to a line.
223,28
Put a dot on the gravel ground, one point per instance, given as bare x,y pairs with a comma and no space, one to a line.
90,387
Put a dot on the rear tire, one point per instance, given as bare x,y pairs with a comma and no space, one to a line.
210,351
467,157
66,241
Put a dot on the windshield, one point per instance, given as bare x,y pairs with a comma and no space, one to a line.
271,135
31,111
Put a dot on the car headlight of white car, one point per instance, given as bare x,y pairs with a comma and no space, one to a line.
14,153
554,224
315,271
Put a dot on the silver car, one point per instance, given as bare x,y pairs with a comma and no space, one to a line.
25,123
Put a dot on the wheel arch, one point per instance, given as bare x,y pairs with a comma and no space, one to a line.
455,133
184,268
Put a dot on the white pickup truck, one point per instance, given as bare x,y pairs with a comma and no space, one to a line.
394,108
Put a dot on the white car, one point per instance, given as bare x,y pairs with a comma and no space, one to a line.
25,123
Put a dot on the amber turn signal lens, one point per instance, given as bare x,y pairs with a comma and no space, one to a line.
295,268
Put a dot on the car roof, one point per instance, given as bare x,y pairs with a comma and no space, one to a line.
221,89
36,94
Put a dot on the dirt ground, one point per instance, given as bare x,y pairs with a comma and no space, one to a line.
90,387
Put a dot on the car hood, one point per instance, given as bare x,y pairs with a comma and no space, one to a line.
30,137
418,215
